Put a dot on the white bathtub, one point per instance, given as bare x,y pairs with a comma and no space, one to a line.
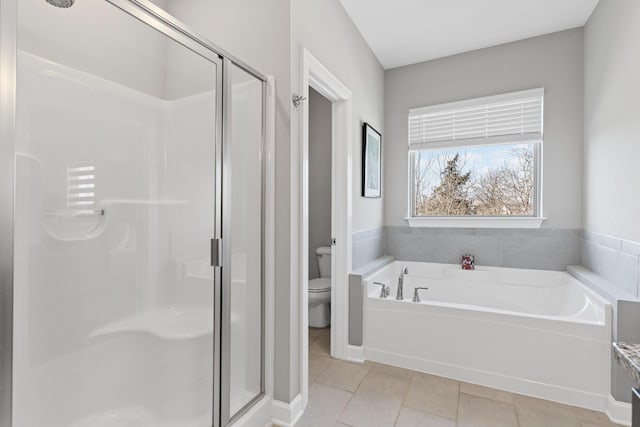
540,333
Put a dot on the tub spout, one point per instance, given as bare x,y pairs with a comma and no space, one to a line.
399,295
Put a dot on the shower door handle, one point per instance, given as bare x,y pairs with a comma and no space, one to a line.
216,250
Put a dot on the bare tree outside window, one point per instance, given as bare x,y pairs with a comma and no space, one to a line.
478,181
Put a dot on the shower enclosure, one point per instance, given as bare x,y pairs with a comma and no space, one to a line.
133,151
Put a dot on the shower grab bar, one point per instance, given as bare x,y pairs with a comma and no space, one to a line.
73,213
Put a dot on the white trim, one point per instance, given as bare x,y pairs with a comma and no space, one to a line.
355,353
480,222
554,393
286,414
316,75
270,236
618,412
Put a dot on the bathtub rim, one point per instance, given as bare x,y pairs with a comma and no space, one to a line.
601,302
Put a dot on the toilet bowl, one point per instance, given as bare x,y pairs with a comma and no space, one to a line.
320,291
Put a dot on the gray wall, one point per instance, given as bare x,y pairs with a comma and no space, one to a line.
319,177
611,150
325,29
612,119
552,61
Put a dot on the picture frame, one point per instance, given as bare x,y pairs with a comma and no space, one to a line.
371,162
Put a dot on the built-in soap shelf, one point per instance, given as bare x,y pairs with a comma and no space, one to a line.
102,205
175,323
148,202
74,213
73,225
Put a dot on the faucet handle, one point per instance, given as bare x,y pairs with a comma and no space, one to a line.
384,292
405,270
416,295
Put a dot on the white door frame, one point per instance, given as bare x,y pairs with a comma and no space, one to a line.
317,76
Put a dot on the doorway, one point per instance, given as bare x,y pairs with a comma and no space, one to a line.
320,231
317,77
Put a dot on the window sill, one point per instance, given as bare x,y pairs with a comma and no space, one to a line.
481,222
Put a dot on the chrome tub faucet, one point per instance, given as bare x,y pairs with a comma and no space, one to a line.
404,271
384,291
416,295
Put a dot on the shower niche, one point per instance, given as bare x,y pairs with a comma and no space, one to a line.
122,142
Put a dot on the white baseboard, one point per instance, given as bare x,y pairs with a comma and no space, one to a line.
355,353
619,412
490,379
287,414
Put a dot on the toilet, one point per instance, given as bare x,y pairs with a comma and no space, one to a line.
320,291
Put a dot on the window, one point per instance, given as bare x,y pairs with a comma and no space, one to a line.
479,158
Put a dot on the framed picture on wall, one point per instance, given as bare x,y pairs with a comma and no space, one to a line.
371,162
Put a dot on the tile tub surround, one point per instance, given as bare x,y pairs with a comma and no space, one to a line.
380,395
614,262
368,245
614,258
628,355
544,249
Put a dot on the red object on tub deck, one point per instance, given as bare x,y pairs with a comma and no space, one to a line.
468,262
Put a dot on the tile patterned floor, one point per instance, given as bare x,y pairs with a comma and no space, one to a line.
375,395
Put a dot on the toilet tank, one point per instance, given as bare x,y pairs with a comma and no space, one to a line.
323,253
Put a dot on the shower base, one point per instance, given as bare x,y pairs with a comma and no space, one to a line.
138,416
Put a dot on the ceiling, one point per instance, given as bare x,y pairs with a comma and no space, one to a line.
402,32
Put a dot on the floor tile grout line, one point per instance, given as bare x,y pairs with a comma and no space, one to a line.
515,410
458,405
403,398
318,337
335,388
355,391
339,390
474,396
346,405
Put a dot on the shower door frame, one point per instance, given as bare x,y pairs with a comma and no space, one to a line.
155,17
8,36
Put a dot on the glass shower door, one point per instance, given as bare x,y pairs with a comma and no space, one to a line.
243,238
116,132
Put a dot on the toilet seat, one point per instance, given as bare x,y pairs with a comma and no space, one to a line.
319,285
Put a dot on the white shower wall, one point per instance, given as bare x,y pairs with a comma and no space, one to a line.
80,280
113,313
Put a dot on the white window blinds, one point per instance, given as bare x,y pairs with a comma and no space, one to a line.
507,118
